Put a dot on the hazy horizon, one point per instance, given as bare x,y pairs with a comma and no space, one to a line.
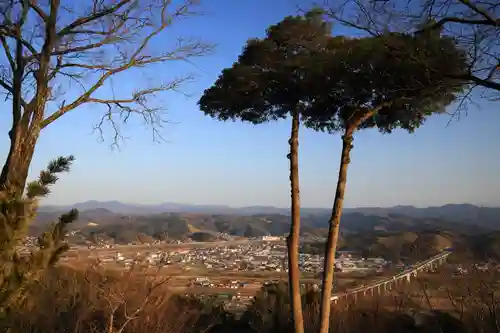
256,205
211,162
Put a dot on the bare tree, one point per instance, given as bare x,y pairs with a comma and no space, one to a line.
51,45
474,24
118,302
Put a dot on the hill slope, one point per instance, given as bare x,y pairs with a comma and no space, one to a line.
125,228
486,217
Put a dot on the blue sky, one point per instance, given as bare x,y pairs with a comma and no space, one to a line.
208,162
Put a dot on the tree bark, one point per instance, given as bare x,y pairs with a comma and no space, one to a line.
293,237
333,233
15,170
25,128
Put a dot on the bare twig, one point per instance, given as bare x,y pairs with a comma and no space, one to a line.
95,44
475,26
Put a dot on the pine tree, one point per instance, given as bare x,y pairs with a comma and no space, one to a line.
19,269
272,80
394,81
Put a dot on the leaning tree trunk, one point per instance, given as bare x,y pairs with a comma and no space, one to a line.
15,170
293,237
333,233
27,116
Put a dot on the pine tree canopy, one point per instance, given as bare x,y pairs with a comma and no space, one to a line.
389,81
273,75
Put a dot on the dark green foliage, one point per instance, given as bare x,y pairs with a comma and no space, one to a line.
270,310
389,81
40,187
336,81
466,246
203,237
272,76
20,269
252,231
484,247
313,248
393,246
162,226
175,226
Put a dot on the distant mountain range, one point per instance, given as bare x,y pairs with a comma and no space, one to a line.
124,222
141,209
461,212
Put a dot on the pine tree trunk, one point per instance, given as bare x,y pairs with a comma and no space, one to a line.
293,237
333,234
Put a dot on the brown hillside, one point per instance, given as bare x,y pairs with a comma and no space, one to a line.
398,239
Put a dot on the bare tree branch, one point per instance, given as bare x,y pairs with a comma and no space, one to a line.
135,61
474,24
38,10
104,39
49,46
96,15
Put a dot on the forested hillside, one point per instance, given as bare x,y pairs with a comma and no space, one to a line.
121,228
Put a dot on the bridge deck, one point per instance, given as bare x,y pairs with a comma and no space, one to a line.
415,268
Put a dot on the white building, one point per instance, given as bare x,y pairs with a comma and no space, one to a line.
270,238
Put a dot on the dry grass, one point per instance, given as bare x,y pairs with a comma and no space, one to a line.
193,229
94,300
439,302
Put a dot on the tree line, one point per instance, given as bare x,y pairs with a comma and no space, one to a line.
393,78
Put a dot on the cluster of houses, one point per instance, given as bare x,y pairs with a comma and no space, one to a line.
245,257
224,236
206,282
347,262
234,302
484,267
101,244
252,257
30,241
